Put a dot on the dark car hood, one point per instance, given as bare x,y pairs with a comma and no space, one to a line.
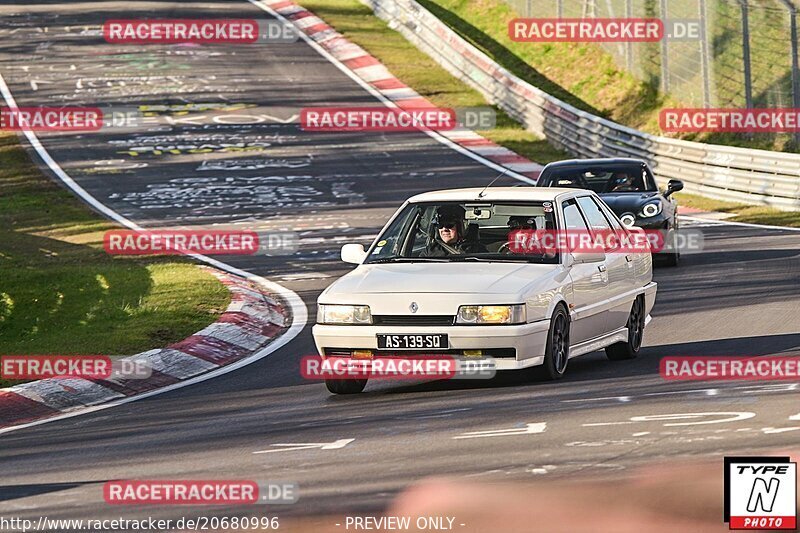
627,202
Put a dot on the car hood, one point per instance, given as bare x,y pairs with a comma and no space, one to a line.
627,202
449,278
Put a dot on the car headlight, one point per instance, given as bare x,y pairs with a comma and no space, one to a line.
491,314
629,219
651,209
343,314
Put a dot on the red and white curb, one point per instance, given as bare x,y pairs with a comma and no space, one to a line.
376,77
253,320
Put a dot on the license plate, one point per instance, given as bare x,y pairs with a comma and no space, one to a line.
423,341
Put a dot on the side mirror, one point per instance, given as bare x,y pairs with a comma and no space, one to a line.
672,187
353,253
587,257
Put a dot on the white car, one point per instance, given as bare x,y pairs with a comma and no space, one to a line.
417,290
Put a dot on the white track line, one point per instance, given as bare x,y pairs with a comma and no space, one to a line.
299,311
743,224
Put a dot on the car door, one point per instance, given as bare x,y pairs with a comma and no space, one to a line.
589,285
617,264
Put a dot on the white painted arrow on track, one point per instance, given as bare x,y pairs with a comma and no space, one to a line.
538,427
771,430
335,445
35,84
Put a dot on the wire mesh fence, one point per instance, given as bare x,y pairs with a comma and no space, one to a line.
742,53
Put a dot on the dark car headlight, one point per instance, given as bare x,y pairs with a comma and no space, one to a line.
628,219
650,210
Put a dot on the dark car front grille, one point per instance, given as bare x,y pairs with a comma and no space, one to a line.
413,320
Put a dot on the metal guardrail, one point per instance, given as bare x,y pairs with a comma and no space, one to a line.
722,172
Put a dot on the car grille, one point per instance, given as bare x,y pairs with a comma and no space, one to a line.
413,320
497,353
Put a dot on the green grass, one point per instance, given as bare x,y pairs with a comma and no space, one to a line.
581,74
753,214
586,76
60,293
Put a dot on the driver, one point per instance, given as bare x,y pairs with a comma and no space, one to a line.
624,182
450,230
524,238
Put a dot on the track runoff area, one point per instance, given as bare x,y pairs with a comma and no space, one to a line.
218,144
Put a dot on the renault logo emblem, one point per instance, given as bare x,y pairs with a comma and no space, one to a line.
414,307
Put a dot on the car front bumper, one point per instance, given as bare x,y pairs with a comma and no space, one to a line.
527,340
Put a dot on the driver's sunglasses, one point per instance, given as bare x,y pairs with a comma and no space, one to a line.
447,225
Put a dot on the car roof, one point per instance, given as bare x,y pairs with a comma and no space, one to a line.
492,194
610,161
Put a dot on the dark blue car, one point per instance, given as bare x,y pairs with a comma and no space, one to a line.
629,189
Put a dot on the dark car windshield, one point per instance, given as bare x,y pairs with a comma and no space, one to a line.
603,180
454,231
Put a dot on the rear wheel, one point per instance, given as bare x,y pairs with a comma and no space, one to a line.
345,386
556,353
630,349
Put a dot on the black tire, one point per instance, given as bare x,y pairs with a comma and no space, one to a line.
345,386
556,355
672,259
621,351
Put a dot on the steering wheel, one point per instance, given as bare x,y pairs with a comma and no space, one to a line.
505,248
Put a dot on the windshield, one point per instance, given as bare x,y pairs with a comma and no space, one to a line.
472,231
603,180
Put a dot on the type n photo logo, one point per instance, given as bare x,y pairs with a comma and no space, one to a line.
760,493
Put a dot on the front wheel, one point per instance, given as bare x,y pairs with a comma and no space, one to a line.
345,386
672,258
630,349
556,353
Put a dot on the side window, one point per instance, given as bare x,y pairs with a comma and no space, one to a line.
573,220
649,181
610,217
596,218
620,233
598,221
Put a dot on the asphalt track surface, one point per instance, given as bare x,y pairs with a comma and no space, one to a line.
740,297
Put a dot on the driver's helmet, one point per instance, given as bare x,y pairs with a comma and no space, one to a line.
521,222
622,179
450,214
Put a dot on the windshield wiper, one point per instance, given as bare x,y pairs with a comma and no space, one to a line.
468,258
500,259
407,260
